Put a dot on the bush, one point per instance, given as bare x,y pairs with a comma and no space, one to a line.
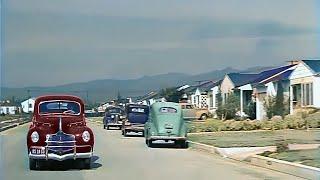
295,122
313,120
229,109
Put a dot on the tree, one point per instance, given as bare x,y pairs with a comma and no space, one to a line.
230,108
171,94
279,104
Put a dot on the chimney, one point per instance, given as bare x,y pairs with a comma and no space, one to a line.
294,62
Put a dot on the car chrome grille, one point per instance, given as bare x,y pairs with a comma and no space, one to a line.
60,143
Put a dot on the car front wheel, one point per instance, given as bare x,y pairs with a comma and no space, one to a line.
34,164
203,117
86,163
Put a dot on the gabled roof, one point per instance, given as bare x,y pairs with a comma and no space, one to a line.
240,79
283,76
314,65
209,85
264,75
150,95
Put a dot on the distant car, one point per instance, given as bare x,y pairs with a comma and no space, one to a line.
113,117
190,112
166,123
137,116
58,132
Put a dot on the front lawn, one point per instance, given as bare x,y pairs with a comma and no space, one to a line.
306,157
257,138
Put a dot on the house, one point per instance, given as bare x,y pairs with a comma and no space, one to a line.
266,85
232,81
198,94
8,109
305,85
151,98
28,105
213,98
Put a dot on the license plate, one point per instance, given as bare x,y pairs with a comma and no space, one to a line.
38,150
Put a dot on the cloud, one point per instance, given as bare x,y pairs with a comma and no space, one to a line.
57,42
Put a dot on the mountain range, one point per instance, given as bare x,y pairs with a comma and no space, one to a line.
107,89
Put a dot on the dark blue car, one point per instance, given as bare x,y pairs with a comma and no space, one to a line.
113,117
137,116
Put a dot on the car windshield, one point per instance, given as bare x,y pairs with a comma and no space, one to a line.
66,107
168,110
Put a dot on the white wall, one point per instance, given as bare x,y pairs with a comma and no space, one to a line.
316,92
26,107
301,71
8,109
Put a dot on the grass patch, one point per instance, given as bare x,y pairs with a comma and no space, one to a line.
257,138
11,117
305,157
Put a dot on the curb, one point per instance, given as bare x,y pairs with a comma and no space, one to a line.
205,148
13,125
295,169
299,170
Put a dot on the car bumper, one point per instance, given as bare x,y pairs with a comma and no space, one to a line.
135,128
62,157
52,156
153,138
114,124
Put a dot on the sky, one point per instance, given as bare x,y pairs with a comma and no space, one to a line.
48,43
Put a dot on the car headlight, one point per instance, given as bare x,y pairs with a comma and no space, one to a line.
86,136
112,116
34,137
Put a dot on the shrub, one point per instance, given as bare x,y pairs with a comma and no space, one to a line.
313,120
295,122
229,109
266,125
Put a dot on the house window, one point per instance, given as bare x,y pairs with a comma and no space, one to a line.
211,100
30,105
307,94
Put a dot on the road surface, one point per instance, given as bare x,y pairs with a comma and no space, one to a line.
118,158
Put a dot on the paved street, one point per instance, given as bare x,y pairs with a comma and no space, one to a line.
127,158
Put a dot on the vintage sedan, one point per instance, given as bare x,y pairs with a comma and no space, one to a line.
190,112
113,117
166,123
137,116
58,132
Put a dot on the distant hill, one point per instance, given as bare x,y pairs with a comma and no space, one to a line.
102,90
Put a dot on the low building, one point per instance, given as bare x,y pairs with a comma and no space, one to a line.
305,85
9,110
28,105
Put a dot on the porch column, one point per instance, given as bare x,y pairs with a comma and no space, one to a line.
241,103
291,99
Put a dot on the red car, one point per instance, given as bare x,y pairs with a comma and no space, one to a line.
59,132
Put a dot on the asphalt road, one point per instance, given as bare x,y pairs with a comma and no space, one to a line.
118,158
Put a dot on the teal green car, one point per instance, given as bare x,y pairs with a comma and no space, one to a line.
166,123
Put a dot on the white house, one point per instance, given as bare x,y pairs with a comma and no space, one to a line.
264,85
305,85
28,105
8,109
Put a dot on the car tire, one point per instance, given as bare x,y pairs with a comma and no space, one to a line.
108,127
203,117
182,144
86,163
34,164
104,126
124,133
149,143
